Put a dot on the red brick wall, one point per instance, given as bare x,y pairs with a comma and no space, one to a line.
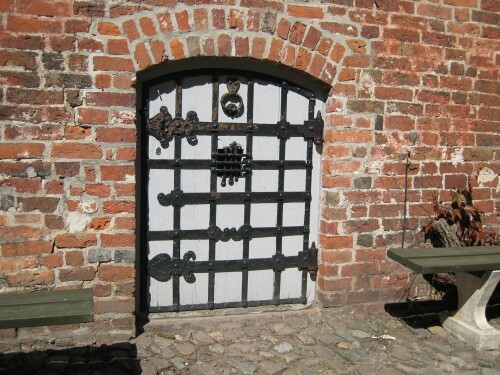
417,76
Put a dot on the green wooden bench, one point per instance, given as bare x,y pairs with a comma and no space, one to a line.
46,308
477,270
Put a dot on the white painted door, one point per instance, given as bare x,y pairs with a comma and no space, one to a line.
232,192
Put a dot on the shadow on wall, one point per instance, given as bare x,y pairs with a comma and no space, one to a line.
116,359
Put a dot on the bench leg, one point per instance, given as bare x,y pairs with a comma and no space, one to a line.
469,322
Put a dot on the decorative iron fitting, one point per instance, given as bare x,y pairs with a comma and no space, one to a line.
279,262
283,129
231,101
162,267
314,129
175,198
163,127
231,164
217,234
309,260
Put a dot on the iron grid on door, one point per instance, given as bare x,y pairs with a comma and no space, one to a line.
228,183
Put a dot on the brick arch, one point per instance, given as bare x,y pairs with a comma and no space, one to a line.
155,36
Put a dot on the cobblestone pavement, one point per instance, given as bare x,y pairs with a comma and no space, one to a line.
307,341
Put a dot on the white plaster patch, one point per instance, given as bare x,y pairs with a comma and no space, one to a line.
367,83
77,222
457,157
123,117
129,178
486,175
87,207
374,167
30,171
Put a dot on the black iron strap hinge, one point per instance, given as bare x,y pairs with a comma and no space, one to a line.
314,129
163,127
309,260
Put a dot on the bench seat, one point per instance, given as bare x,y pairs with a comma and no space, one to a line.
46,308
448,259
477,272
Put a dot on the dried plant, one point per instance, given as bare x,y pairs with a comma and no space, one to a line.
460,224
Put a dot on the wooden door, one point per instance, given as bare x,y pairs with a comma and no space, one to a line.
232,191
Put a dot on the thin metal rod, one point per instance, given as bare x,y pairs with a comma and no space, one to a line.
281,188
406,198
177,185
248,189
213,188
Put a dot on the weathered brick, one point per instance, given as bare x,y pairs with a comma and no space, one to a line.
283,28
337,242
69,240
225,48
75,25
89,8
119,64
26,60
269,23
297,32
242,46
252,21
77,274
359,61
73,258
200,19
99,256
115,207
147,26
100,223
340,28
360,226
117,240
312,38
118,46
477,154
54,221
98,190
34,97
434,11
349,136
111,99
117,173
303,59
21,151
42,204
27,24
177,48
30,278
72,150
102,290
27,248
108,28
130,29
300,11
182,18
125,223
92,116
115,272
115,306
